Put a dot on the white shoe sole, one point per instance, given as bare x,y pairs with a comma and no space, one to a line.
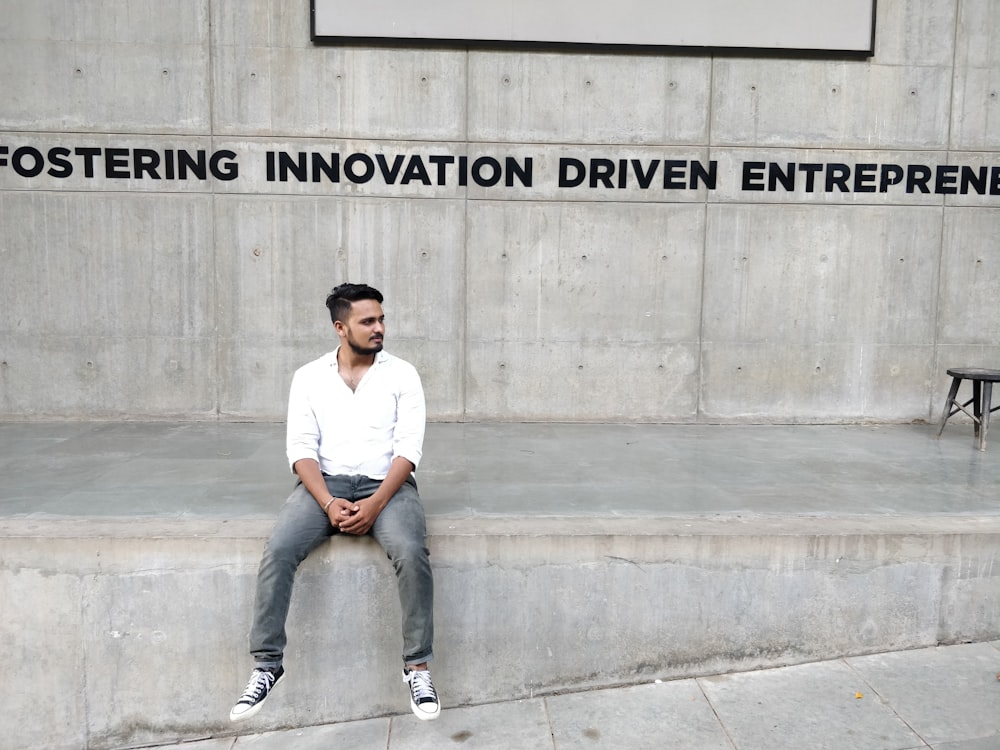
423,715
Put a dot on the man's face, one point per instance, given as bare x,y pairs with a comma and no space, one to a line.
365,327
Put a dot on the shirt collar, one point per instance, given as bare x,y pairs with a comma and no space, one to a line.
380,357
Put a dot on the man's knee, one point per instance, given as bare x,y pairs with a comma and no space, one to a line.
408,550
284,549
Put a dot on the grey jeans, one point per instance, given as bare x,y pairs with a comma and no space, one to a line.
302,526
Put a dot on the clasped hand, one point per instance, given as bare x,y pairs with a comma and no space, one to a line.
351,518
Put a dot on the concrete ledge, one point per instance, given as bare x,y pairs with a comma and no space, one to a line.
131,631
566,557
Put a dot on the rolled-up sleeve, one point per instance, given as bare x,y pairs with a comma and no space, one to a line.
411,417
302,431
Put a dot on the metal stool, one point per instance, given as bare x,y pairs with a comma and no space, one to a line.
982,394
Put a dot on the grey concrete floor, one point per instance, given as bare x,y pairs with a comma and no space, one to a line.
945,698
238,470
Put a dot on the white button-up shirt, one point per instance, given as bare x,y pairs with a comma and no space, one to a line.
356,432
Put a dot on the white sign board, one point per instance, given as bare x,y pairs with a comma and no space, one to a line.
819,25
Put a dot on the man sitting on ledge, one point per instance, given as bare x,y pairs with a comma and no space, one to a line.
356,420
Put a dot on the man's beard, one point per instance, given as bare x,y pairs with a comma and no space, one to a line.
365,350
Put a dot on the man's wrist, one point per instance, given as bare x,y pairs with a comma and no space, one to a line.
375,501
326,506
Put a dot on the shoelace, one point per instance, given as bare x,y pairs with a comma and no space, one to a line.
422,687
260,682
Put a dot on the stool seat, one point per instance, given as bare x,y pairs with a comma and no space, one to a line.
975,373
982,396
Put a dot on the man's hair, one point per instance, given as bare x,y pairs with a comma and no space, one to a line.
339,300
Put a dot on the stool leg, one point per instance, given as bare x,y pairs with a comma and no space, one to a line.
953,391
977,404
987,398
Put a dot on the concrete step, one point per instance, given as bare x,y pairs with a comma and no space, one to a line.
671,553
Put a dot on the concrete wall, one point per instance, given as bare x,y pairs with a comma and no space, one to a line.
125,630
127,296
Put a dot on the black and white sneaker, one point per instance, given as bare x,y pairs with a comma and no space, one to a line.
423,698
259,687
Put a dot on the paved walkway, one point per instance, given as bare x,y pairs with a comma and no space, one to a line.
945,698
